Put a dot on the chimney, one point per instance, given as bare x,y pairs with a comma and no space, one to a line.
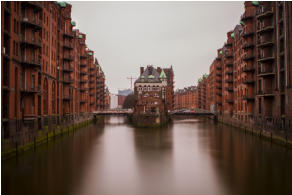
229,38
150,68
141,70
159,70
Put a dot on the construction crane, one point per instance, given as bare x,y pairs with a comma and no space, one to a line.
131,79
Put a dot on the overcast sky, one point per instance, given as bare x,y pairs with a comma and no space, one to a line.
127,35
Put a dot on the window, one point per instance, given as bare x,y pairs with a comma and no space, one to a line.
260,86
260,105
14,26
53,97
32,104
45,96
16,49
32,81
20,79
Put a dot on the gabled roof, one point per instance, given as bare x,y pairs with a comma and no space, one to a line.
162,74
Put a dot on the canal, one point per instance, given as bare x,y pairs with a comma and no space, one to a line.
190,156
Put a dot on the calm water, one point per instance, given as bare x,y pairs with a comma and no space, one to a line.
191,156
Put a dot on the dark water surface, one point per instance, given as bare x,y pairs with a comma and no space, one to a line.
191,156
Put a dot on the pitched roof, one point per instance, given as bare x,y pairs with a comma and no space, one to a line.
149,76
162,75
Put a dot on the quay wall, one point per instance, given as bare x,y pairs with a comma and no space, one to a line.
148,120
27,138
282,136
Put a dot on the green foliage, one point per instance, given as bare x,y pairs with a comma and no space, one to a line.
130,101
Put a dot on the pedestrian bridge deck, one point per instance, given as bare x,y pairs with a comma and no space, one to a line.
197,112
113,112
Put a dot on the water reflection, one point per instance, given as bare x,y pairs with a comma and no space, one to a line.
154,154
112,165
190,156
53,168
247,164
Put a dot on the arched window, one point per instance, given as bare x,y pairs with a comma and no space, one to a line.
45,96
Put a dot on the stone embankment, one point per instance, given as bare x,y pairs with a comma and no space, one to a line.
15,147
282,136
149,120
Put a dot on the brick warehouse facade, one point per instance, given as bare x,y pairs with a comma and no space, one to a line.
49,76
186,98
250,81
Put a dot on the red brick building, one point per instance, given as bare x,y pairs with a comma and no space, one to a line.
202,99
44,67
170,87
107,99
244,48
253,73
150,90
100,87
274,62
227,77
215,85
186,98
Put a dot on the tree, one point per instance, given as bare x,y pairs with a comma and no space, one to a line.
130,101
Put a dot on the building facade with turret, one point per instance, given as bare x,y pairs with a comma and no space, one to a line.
150,90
